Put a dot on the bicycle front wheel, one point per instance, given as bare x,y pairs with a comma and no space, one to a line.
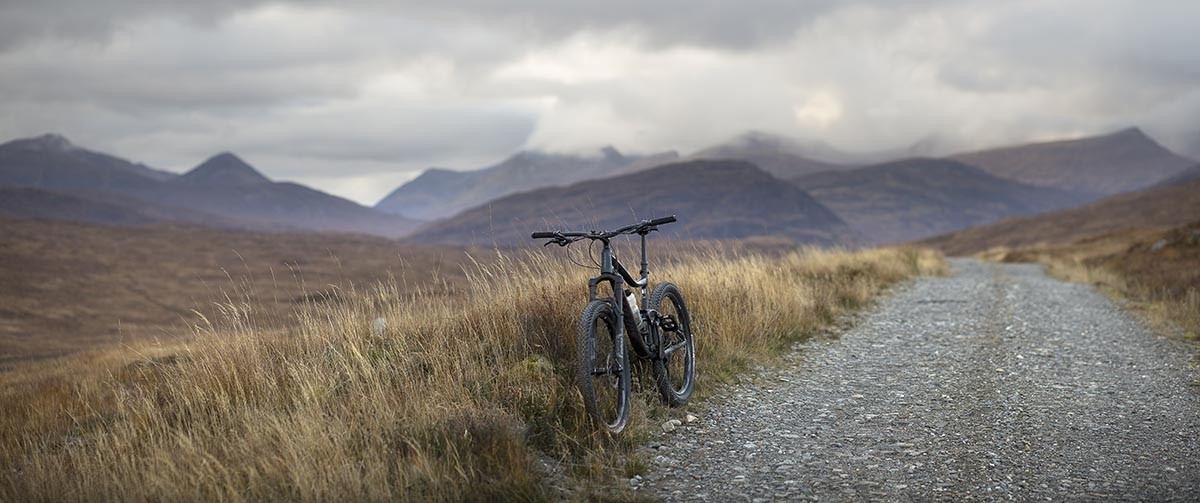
602,368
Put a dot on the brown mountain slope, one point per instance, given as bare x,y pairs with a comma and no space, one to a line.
915,198
439,193
1104,165
713,199
1159,207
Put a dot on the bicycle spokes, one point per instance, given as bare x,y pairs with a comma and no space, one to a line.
611,370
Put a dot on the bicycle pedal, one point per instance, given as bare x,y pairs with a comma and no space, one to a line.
667,323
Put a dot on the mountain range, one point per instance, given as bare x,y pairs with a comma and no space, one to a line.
61,180
714,200
755,184
920,197
1103,165
439,193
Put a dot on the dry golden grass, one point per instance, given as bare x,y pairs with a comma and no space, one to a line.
460,398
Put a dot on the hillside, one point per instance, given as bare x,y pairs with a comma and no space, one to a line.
439,193
77,184
69,287
915,198
107,209
1104,165
1160,207
714,200
1192,173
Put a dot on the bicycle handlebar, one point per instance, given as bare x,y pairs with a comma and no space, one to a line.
643,226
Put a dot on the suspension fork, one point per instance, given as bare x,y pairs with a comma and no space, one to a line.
617,300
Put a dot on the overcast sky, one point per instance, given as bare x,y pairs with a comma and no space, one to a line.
356,97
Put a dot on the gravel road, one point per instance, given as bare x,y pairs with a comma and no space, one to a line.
998,383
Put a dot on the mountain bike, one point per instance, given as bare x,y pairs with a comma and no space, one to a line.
660,333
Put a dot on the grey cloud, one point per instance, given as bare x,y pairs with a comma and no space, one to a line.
358,95
714,23
26,21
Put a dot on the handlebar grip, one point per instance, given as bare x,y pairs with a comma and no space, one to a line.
542,235
663,220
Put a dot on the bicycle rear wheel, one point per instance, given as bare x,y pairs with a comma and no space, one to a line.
676,372
602,368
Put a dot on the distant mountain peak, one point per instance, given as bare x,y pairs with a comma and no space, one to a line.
54,141
49,142
1131,131
224,169
611,153
756,137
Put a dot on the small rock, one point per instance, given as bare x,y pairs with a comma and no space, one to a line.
689,419
857,396
669,426
635,481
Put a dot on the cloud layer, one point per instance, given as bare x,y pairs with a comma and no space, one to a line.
355,97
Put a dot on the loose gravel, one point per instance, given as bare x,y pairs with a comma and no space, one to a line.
998,383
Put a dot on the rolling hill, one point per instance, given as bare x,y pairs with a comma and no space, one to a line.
915,198
1104,165
714,199
64,181
1159,207
439,193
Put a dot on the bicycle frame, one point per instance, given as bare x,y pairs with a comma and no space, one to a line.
613,272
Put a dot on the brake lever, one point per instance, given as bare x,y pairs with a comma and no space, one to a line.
558,240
